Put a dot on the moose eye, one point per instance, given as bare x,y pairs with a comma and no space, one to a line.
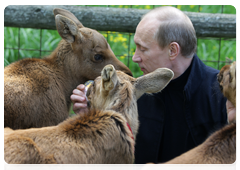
98,57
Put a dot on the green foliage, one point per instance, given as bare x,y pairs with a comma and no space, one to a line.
38,43
208,51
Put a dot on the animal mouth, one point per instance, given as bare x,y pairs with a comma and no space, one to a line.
221,87
89,104
219,78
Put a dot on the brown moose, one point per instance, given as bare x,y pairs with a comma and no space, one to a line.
37,91
227,82
220,150
102,135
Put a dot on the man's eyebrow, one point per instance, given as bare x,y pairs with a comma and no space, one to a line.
141,45
137,42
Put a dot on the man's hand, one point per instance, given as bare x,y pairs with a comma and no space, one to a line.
79,100
231,111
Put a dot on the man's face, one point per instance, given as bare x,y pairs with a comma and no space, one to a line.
149,55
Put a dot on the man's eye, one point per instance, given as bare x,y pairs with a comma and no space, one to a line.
142,49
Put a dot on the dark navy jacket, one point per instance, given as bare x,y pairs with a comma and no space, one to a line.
204,110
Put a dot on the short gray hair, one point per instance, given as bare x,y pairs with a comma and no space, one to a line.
175,26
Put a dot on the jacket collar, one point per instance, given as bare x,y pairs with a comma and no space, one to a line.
196,76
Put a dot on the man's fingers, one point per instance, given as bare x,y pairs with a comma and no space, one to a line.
77,106
81,87
78,92
77,98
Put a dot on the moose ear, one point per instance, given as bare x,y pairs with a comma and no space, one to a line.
153,82
109,78
67,29
67,14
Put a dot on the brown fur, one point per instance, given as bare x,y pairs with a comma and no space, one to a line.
220,147
37,91
227,82
99,136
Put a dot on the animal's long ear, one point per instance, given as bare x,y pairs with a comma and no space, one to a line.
109,78
153,82
67,29
69,15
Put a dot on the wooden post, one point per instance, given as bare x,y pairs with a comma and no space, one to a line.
113,19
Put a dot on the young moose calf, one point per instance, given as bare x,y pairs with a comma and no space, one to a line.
227,82
37,91
103,135
220,147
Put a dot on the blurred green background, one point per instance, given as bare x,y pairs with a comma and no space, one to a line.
27,43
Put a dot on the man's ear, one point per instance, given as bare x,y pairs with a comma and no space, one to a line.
174,50
67,29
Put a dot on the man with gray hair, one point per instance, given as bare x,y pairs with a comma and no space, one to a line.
183,114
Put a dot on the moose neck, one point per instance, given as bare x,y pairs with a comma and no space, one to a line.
66,66
131,114
126,105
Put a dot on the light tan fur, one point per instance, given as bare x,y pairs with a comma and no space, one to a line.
37,91
220,147
227,82
98,136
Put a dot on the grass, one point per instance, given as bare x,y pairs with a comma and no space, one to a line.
38,43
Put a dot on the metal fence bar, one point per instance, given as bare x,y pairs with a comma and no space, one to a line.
18,43
129,52
219,53
129,48
25,49
40,54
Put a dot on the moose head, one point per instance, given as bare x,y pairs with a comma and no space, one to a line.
115,90
89,45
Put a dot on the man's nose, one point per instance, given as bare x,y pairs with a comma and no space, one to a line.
136,57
